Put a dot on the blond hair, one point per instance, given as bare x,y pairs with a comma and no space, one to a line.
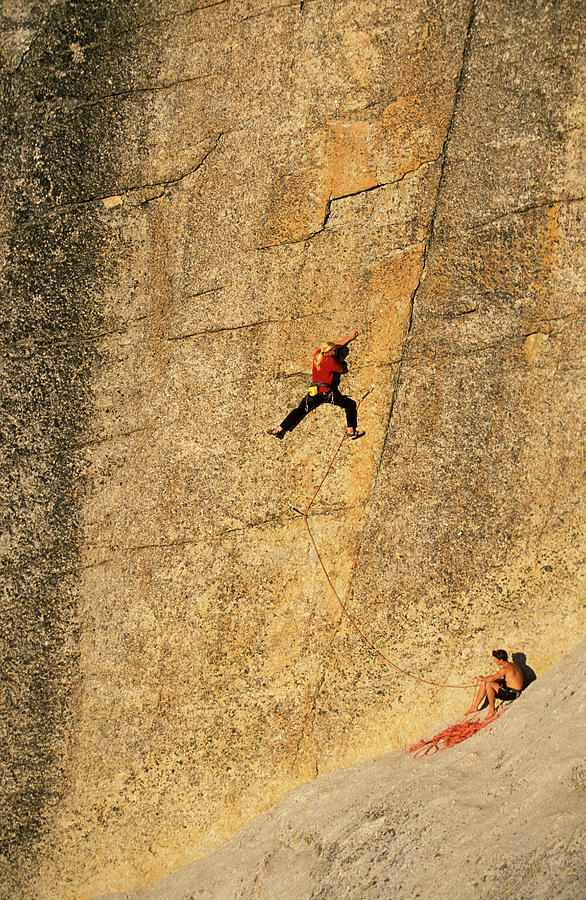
326,350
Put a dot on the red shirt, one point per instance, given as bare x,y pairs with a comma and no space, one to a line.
324,373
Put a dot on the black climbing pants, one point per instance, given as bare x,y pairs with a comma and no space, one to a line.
308,404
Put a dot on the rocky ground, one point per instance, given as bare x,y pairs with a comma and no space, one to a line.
499,815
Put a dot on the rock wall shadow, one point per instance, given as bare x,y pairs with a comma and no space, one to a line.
529,675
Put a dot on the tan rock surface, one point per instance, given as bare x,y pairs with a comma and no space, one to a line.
499,815
195,195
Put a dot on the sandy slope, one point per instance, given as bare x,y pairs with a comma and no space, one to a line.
499,815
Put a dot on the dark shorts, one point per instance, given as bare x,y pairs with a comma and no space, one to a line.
507,693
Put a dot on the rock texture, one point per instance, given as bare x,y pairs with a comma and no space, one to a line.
195,194
499,815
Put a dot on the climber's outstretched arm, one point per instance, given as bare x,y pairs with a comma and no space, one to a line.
346,341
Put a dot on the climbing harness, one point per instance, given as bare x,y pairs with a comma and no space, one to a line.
314,391
366,640
315,386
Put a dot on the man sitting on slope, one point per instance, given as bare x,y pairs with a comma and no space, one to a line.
506,684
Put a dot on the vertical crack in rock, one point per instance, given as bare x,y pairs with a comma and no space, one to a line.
309,718
431,231
430,236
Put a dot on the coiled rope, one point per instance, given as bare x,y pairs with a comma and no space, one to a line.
356,627
450,736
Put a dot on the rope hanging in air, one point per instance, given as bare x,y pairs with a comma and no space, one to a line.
366,640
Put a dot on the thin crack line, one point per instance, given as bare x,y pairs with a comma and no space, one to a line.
40,33
309,716
67,207
427,246
432,225
202,293
374,187
269,10
152,428
522,210
331,200
193,334
383,184
186,13
22,453
168,182
68,340
118,550
459,315
129,92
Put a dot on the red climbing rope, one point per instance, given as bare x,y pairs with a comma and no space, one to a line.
449,737
366,640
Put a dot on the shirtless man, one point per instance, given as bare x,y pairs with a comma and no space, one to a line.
506,684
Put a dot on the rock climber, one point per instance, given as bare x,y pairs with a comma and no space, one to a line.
506,684
328,364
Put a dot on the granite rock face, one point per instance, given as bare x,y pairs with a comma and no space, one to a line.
194,196
460,823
